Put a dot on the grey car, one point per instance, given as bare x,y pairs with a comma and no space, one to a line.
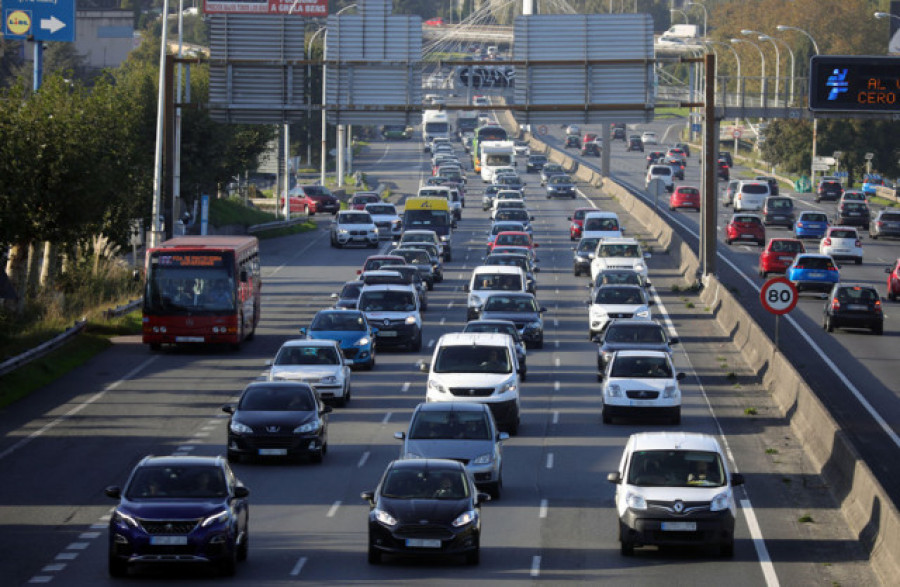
550,169
459,431
886,223
560,186
422,261
624,334
523,310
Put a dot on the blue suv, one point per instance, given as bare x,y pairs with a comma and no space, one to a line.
352,332
811,225
179,509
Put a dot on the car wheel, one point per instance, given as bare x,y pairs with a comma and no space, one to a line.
416,346
116,566
891,296
374,555
155,346
626,548
449,256
494,490
726,549
607,419
316,457
228,565
828,324
514,427
233,457
727,241
430,285
872,236
371,364
858,261
576,272
539,344
763,274
243,548
878,329
473,557
676,416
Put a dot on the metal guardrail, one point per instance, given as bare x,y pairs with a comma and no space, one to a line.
276,224
42,349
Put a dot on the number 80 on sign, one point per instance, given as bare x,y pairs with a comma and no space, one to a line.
778,296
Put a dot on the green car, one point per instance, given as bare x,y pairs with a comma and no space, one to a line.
395,132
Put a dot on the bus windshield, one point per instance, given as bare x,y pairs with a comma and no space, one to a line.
436,127
425,219
190,282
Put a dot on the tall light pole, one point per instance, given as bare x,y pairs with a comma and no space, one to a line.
705,14
791,52
737,58
812,171
683,13
309,112
760,36
157,231
762,58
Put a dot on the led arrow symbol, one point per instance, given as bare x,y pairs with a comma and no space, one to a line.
52,24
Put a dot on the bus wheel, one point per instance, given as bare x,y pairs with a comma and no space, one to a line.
155,346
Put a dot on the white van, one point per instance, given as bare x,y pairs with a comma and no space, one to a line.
750,195
489,279
477,367
674,488
600,224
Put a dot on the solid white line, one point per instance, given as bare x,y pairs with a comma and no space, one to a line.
299,253
387,418
555,323
333,509
556,343
362,460
550,460
387,149
41,579
535,566
759,543
542,512
76,409
298,567
556,417
405,387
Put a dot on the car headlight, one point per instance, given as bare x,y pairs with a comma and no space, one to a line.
474,301
719,502
384,517
508,386
329,380
444,238
670,391
308,427
536,325
410,320
465,518
432,384
343,231
485,459
639,267
614,390
643,312
217,518
363,341
239,428
635,501
124,519
606,356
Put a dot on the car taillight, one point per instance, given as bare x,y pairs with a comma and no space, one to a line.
827,241
835,304
800,223
832,268
879,223
799,266
877,306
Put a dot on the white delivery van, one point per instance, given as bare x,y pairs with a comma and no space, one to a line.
435,124
495,154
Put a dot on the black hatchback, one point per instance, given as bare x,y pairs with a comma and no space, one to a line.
854,306
635,144
852,213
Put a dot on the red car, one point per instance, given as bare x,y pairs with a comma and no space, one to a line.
437,21
893,281
723,172
300,203
512,238
374,262
779,254
746,228
576,221
685,196
360,199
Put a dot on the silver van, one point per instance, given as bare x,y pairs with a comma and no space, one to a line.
750,196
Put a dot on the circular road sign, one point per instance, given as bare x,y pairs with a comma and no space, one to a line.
736,133
542,129
778,295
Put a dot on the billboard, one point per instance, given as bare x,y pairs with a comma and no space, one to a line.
300,7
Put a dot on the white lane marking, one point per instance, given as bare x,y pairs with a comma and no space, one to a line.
98,526
40,431
556,417
556,361
443,321
535,566
53,568
333,509
765,561
556,386
431,343
88,535
542,511
78,545
387,418
550,460
298,567
299,253
362,460
387,149
41,579
759,543
405,387
201,434
555,323
66,556
449,305
556,343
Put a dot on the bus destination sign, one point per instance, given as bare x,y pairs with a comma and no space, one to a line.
842,83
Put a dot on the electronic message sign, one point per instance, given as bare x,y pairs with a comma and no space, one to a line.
843,83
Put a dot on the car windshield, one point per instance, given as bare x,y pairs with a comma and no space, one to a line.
512,214
417,237
601,224
520,240
413,256
307,355
746,220
890,217
843,233
280,398
351,291
641,367
814,217
433,425
559,179
605,250
619,278
358,218
508,260
781,203
473,359
755,188
635,334
387,301
427,483
177,481
857,295
552,168
338,321
375,264
854,207
814,263
537,159
618,295
587,245
493,328
497,281
497,227
786,246
510,304
381,209
676,468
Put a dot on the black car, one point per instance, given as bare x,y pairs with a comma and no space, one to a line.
573,142
635,144
325,200
410,276
590,148
779,211
560,186
179,509
434,254
522,309
853,306
723,170
425,507
549,170
726,156
421,260
511,181
886,223
278,419
829,190
535,163
348,295
773,183
852,213
521,261
654,157
677,168
684,147
618,133
626,334
584,254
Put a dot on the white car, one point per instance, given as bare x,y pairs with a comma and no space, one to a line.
521,148
491,279
660,473
641,383
616,301
663,173
319,363
600,224
354,227
573,129
842,242
649,138
498,171
506,204
750,195
386,219
619,253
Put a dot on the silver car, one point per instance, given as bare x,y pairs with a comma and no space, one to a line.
460,431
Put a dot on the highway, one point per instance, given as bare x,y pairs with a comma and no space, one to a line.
555,522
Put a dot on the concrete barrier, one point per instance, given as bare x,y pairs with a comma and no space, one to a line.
866,507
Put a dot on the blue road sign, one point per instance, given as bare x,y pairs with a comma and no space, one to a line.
39,21
696,127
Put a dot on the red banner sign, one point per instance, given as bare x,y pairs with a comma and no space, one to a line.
300,7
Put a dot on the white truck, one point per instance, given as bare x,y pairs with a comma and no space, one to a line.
435,123
496,154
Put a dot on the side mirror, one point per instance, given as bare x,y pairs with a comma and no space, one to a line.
334,296
113,491
615,478
597,338
359,271
465,287
888,270
537,269
302,332
536,245
543,309
483,497
374,331
268,362
400,435
369,496
673,340
680,376
737,479
650,302
326,409
646,255
502,436
228,408
424,367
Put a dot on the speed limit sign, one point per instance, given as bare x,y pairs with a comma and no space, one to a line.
736,133
778,296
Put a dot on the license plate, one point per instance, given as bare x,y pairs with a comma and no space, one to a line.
387,333
817,275
857,307
189,339
272,452
747,236
842,250
786,259
778,217
168,540
679,526
423,543
853,214
359,238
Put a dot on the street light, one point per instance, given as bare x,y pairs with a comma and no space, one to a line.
791,52
683,13
762,58
309,112
782,28
736,58
705,14
760,36
882,15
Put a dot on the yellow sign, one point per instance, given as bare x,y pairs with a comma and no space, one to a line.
18,22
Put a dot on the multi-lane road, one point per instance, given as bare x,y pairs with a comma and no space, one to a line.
555,522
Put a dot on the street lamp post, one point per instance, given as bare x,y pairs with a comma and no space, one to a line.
815,132
791,53
762,58
737,58
705,14
683,13
760,36
309,112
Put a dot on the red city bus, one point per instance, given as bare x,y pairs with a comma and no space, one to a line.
202,289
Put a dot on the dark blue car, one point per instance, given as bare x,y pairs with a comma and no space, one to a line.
179,509
811,225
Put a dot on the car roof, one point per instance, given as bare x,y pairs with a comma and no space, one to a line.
389,287
474,339
385,258
619,241
676,440
419,232
736,214
601,214
490,321
187,460
418,464
815,255
300,342
497,269
642,353
451,407
340,310
634,322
